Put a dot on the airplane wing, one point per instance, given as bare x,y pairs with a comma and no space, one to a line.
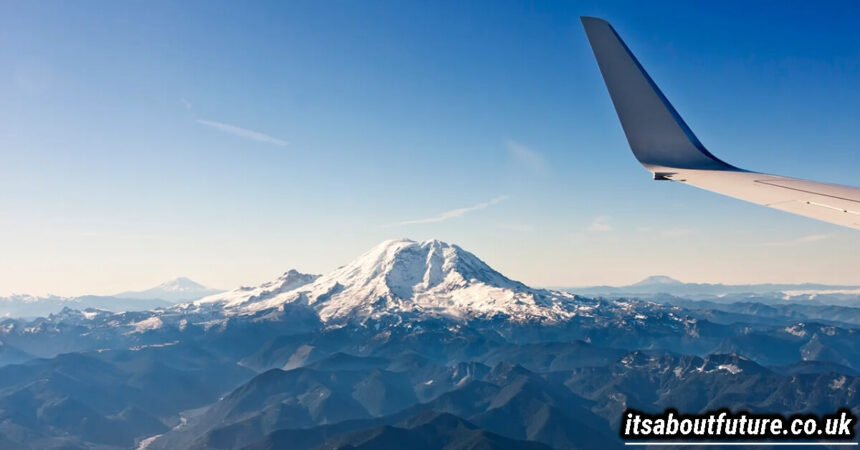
665,145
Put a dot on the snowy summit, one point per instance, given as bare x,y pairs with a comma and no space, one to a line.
404,277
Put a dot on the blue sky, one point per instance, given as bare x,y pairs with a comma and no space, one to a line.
229,142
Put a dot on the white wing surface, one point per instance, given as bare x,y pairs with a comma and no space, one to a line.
665,145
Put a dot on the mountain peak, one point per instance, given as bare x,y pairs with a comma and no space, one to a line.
658,280
181,284
405,277
404,268
175,290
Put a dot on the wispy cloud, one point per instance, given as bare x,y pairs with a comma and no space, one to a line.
452,214
242,132
529,158
600,224
801,240
186,104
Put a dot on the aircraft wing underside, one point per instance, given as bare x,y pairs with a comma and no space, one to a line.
665,145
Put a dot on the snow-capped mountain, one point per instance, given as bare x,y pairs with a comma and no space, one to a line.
181,289
287,282
407,329
404,277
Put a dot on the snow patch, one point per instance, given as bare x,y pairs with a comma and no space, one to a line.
145,443
150,324
730,368
838,383
90,315
796,330
138,348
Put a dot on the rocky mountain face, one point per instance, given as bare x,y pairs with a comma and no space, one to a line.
416,343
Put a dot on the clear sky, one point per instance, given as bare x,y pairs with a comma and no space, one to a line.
231,141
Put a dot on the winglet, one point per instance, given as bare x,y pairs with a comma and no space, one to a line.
658,136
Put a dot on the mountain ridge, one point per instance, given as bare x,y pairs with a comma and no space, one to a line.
164,295
664,285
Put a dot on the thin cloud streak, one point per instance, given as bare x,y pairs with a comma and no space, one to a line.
242,132
529,158
452,214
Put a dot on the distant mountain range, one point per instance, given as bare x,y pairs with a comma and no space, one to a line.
181,289
412,344
163,295
663,286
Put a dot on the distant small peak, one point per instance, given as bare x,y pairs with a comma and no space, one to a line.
658,280
183,282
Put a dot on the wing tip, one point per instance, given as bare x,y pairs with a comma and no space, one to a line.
590,21
658,135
